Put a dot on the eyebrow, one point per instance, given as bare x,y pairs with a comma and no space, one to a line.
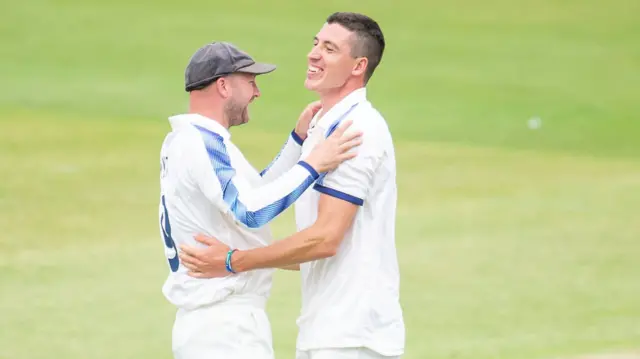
315,38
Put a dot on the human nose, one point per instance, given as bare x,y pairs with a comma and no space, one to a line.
314,54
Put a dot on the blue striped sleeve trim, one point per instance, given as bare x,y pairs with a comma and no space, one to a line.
224,172
297,138
311,170
337,194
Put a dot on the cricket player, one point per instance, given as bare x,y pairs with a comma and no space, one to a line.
208,186
346,239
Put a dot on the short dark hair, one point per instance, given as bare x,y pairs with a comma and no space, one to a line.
369,40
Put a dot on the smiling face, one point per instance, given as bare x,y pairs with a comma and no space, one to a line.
330,63
243,91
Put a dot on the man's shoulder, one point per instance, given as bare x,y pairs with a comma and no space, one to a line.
180,137
191,126
189,144
368,120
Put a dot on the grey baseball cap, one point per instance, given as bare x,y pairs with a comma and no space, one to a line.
218,59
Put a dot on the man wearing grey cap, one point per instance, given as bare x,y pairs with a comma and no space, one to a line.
208,186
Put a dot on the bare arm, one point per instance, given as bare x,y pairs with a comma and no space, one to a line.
320,240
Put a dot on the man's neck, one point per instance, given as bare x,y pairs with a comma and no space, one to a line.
211,114
331,98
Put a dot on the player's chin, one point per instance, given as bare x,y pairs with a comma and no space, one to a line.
245,116
311,85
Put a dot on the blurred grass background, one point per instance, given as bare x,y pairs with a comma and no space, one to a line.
514,241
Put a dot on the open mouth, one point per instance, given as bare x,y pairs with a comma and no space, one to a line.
313,70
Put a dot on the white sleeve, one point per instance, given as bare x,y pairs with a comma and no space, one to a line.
288,156
353,179
251,206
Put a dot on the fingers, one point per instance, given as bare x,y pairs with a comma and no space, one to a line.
197,274
341,129
339,133
206,240
191,262
315,110
351,137
346,156
311,110
188,250
189,265
315,106
345,148
347,145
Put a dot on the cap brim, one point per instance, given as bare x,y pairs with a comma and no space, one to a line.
258,68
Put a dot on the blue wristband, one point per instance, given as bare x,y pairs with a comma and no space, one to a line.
227,262
297,138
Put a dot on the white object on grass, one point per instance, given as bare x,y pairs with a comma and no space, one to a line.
534,123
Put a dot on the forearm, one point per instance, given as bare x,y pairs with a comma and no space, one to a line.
255,207
304,246
285,159
251,205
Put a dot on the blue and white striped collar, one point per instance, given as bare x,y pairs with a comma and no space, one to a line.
181,120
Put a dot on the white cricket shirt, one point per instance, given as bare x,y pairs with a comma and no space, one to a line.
352,298
207,186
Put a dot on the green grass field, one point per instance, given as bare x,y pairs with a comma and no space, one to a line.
513,242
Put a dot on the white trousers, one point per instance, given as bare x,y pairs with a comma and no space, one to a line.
237,328
342,353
